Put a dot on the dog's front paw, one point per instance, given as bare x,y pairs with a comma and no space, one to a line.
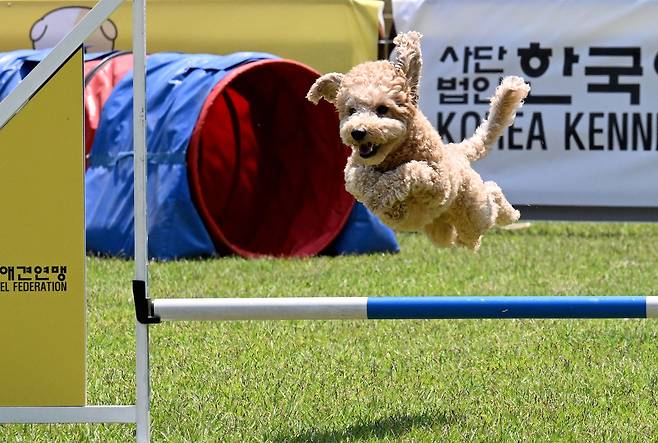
400,183
391,189
360,181
420,175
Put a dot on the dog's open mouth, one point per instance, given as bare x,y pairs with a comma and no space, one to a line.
367,150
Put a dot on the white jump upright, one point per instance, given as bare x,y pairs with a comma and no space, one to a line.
142,370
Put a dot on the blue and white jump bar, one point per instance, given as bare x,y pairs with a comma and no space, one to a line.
379,308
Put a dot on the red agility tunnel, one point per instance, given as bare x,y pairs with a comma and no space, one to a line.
101,76
265,165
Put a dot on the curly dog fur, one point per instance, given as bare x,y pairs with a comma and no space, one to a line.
400,168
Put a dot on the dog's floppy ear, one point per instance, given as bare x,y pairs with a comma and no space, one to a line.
407,58
325,87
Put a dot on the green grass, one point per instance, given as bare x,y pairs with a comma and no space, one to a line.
385,381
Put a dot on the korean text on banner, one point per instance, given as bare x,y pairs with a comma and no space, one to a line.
588,133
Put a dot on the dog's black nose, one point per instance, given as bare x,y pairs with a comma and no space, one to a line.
358,134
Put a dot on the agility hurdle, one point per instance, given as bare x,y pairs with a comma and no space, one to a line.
401,308
153,311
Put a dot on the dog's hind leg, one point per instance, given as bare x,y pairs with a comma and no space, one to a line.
469,238
506,214
473,215
441,232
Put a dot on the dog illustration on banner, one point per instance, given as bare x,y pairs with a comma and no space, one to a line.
52,27
400,168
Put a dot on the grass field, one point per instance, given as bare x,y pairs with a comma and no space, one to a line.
385,381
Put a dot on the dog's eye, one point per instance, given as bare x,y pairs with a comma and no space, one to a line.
381,109
351,111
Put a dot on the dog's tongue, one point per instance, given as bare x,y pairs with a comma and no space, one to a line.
365,149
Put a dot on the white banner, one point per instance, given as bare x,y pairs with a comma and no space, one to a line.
588,133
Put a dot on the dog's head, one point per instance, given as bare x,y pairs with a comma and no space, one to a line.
376,101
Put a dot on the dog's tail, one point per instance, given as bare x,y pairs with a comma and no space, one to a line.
508,97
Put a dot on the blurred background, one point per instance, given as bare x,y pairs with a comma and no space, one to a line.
260,170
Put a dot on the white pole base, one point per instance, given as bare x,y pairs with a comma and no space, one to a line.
68,414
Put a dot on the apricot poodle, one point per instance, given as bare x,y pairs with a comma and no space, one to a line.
400,168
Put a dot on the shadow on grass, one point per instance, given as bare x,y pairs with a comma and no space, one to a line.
387,427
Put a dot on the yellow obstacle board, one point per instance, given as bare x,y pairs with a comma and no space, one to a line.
329,35
42,267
